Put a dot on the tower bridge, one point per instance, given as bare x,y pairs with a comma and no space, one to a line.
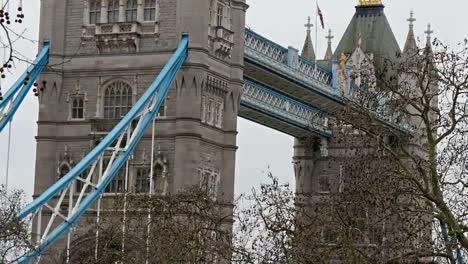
219,71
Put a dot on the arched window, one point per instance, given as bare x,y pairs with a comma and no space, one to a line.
131,11
77,110
95,11
113,11
150,10
117,100
142,183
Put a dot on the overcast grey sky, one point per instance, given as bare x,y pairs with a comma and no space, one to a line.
281,21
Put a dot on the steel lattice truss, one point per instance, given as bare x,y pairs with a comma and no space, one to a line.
266,100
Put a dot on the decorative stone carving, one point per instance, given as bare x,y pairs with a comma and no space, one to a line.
77,93
221,37
123,34
65,163
160,177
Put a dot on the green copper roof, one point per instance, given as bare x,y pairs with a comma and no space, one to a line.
377,36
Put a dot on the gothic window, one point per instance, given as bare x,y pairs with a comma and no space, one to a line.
117,100
324,184
117,185
212,111
219,114
150,10
131,11
219,15
113,11
142,183
77,108
209,181
216,108
94,11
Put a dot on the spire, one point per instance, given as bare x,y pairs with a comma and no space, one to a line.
410,44
428,32
308,49
329,53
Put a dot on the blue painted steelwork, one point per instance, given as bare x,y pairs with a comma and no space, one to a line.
263,53
266,100
145,110
279,56
16,94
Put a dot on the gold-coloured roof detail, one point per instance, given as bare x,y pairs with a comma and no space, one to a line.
370,2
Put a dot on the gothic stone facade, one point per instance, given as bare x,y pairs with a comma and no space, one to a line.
105,53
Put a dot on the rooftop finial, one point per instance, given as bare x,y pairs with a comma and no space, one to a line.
429,32
329,53
411,19
308,25
370,3
329,37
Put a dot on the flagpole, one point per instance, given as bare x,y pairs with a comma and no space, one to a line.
316,33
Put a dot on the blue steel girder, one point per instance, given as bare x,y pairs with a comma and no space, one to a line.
121,142
16,94
264,105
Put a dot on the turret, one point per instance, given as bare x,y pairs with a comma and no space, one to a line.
377,38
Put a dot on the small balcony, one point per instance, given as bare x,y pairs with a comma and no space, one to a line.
223,41
121,36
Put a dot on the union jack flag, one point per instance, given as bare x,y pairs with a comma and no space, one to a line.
319,12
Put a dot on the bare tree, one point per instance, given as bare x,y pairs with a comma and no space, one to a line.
188,227
14,236
424,167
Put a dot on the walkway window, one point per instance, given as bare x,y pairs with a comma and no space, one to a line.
150,10
117,100
131,11
95,11
142,183
113,11
77,108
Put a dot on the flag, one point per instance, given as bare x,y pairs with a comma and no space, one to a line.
319,12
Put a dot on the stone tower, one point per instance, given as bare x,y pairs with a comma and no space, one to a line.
329,172
105,53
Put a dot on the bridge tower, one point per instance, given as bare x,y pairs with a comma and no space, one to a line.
322,166
105,53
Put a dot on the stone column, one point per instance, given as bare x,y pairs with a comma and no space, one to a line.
104,8
140,11
86,12
122,9
304,164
